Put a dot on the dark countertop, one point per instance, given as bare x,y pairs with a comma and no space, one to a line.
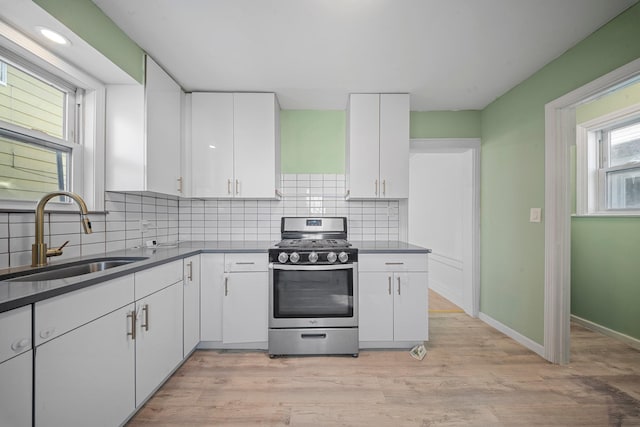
18,294
393,246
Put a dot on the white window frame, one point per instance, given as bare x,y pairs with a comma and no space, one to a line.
3,74
87,164
591,198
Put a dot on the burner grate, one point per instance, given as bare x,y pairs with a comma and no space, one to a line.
313,243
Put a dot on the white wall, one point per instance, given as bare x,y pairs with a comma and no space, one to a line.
440,209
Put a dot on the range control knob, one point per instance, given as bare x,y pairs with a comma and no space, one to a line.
332,257
283,257
313,257
294,257
343,257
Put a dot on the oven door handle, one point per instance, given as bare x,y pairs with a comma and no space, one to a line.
311,267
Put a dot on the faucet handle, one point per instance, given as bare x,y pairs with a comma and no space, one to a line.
57,252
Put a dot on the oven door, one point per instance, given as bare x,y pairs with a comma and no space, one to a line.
313,296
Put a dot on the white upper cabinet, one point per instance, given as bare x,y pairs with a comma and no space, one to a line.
378,146
143,134
235,145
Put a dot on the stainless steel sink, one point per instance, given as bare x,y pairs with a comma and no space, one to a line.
78,268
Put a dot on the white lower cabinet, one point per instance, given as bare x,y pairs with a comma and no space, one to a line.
191,295
393,304
245,308
211,290
86,376
16,363
16,384
234,300
159,326
105,348
158,339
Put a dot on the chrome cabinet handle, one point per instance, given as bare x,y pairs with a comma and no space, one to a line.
245,263
132,315
179,185
145,310
376,193
394,263
228,186
384,187
237,186
398,285
226,286
190,275
389,285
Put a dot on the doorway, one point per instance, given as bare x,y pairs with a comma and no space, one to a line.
560,135
443,215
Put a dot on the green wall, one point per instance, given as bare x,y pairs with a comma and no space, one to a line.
85,19
445,124
312,141
605,272
512,175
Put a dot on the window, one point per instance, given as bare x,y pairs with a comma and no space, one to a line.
3,74
608,164
37,130
620,165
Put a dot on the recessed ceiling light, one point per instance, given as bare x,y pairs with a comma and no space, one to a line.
53,36
212,146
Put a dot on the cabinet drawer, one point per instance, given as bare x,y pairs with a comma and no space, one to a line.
246,262
392,262
156,278
15,332
56,316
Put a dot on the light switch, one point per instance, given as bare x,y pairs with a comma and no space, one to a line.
535,214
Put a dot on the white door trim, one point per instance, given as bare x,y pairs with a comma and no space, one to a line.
455,145
559,136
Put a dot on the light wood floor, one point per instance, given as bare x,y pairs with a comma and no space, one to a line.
472,376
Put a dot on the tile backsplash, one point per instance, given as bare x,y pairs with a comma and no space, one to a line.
135,218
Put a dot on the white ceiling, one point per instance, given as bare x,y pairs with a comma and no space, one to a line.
448,54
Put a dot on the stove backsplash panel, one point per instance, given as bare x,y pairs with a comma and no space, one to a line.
302,195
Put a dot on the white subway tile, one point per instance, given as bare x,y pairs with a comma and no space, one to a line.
93,248
132,198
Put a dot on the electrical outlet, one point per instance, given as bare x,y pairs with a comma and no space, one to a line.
535,215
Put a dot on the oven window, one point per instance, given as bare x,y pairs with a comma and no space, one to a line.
309,294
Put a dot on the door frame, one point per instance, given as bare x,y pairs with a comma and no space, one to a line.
560,131
456,145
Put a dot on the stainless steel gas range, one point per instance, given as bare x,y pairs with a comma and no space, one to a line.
313,289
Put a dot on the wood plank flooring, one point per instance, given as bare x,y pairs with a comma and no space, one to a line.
472,376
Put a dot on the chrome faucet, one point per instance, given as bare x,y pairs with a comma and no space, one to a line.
39,251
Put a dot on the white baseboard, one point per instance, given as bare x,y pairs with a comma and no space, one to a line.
516,336
633,342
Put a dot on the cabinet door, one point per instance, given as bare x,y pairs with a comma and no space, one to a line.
86,376
163,118
211,295
394,146
254,145
212,145
16,386
411,307
158,339
245,307
375,310
191,295
364,146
